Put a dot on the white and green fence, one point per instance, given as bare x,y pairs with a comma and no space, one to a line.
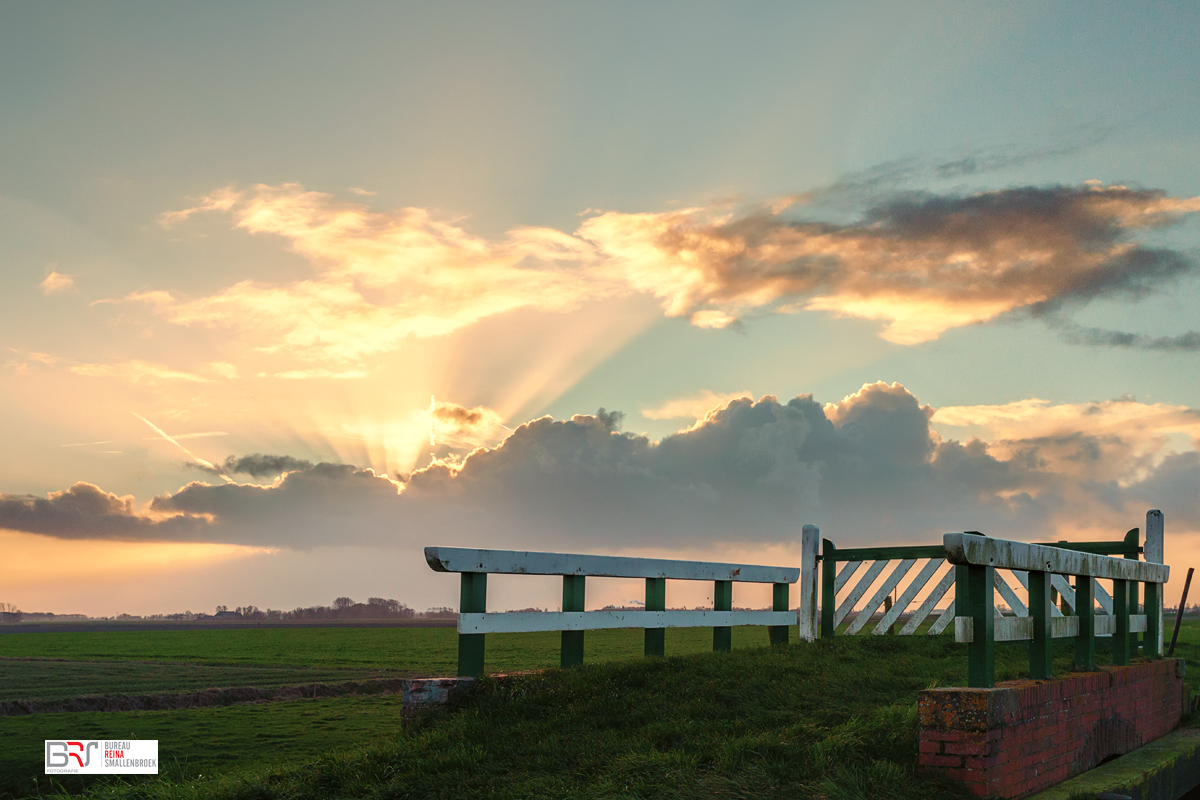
977,623
947,588
475,622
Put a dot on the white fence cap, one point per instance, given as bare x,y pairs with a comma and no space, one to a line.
972,549
521,562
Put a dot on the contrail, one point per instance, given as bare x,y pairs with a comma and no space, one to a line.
197,459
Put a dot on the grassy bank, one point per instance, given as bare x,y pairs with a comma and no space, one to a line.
834,718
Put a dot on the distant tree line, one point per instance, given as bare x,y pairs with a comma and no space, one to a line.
343,608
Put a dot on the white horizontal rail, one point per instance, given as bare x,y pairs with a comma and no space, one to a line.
521,562
1015,629
532,621
972,549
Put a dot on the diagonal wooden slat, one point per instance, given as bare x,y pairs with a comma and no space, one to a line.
1023,578
923,611
908,594
1010,596
945,619
1064,588
1103,598
844,575
859,590
864,616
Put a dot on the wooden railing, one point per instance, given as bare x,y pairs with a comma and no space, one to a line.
853,603
976,621
474,620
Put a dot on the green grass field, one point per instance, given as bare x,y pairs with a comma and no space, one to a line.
402,651
46,680
833,717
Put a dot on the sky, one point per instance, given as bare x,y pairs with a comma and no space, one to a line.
289,291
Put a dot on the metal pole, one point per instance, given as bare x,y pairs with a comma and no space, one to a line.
1179,615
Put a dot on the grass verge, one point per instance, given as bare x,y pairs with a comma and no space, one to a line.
834,719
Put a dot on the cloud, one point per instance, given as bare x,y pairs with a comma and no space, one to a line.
453,418
1037,417
694,406
224,369
920,263
136,371
220,200
321,373
380,278
1102,337
84,511
870,467
256,465
259,465
56,282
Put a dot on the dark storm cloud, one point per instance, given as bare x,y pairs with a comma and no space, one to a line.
85,511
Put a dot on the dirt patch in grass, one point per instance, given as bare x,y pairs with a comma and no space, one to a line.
201,699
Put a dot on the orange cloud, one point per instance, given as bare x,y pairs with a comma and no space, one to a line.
56,282
380,277
920,264
136,372
694,406
1117,440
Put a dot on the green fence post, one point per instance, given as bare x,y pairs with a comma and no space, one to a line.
722,601
1085,640
828,595
656,600
962,592
981,652
1041,651
572,641
1132,549
472,599
779,602
1121,643
1150,640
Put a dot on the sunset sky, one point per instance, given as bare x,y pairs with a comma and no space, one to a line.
678,278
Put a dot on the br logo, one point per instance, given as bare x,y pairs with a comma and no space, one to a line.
59,754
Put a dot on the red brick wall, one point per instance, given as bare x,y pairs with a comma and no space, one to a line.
1025,736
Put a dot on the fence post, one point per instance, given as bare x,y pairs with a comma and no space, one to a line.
779,602
981,652
1085,641
1121,612
656,600
1154,555
1041,650
472,599
806,620
1132,549
572,641
828,594
722,601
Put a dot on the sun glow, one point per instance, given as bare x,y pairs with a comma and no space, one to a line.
32,560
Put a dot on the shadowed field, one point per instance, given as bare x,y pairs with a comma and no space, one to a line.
833,718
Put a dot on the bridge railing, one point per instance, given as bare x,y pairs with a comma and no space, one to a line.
474,620
857,585
976,622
